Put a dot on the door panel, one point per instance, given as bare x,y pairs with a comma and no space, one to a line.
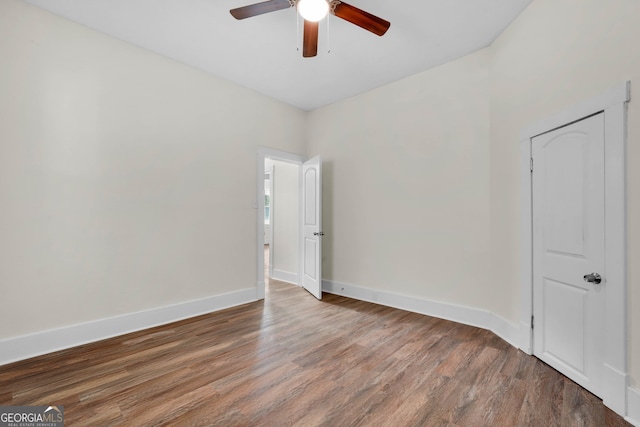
564,305
564,197
568,243
310,248
310,181
312,226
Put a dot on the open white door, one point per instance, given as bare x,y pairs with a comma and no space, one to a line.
312,226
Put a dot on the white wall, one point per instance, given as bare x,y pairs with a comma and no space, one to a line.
556,54
127,180
286,226
406,185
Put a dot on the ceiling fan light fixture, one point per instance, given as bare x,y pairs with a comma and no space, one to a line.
313,10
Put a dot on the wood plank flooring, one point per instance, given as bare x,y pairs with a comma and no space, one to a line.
292,360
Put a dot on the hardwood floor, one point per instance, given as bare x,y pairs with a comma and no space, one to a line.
293,360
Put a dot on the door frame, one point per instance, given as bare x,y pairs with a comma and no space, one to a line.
270,233
284,156
613,104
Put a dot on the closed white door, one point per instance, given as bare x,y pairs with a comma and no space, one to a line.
312,226
568,250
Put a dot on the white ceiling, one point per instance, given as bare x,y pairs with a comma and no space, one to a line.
261,52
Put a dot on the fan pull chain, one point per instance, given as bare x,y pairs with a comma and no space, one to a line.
297,31
328,39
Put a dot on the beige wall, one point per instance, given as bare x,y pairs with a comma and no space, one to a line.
556,54
406,185
127,180
285,217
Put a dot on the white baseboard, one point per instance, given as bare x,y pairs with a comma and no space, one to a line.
260,290
614,389
525,338
633,406
506,330
285,276
39,343
469,316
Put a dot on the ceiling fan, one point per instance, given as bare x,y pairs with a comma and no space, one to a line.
314,11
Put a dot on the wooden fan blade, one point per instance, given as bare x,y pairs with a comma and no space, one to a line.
259,8
310,40
361,18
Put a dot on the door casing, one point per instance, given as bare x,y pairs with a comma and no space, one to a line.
613,104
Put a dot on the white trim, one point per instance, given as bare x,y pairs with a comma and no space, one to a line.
526,252
284,156
300,225
285,276
613,104
467,315
615,96
510,332
633,399
263,153
270,172
39,343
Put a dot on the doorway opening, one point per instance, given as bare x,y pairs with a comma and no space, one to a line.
281,221
278,219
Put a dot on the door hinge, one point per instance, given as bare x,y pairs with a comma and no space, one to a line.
531,321
531,164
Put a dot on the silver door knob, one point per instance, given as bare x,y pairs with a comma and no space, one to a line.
593,278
